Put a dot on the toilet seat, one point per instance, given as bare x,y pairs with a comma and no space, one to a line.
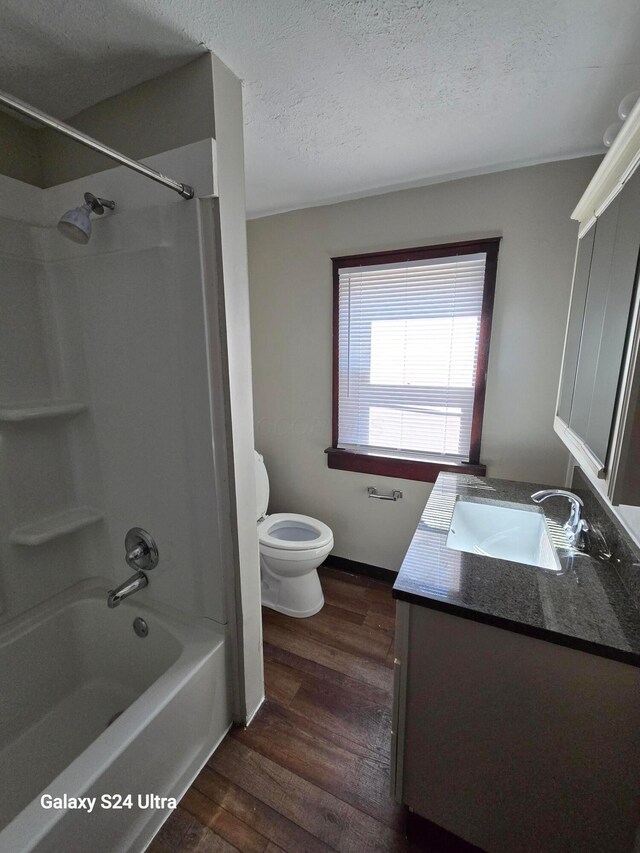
290,531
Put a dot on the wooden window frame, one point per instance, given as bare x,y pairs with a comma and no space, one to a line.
388,465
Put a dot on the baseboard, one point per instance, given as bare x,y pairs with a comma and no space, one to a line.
355,568
433,837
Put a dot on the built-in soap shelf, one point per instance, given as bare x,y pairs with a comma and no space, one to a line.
53,526
20,412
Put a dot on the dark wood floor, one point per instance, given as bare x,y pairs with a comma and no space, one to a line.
311,773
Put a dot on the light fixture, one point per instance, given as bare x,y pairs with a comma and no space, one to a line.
627,104
611,132
624,110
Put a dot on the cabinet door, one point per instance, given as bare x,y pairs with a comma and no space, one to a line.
593,321
607,309
398,715
574,326
506,744
616,320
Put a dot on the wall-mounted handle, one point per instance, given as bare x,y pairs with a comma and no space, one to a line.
394,496
141,550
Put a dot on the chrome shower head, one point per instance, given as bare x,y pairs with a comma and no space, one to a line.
75,224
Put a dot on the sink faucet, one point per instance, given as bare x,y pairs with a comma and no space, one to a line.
575,526
141,553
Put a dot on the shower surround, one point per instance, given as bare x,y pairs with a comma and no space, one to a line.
121,394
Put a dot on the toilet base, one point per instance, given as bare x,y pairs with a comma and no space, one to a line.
299,596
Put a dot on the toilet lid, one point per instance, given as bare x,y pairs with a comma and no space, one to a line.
262,487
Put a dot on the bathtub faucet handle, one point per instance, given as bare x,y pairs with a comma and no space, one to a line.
141,550
136,553
142,555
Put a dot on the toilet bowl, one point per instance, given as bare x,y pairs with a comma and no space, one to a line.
292,546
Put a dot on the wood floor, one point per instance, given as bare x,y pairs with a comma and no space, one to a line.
311,773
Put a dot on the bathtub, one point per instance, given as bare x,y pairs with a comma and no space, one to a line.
89,709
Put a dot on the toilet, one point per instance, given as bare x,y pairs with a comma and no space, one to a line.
292,547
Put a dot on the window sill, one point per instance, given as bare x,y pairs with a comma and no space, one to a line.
393,466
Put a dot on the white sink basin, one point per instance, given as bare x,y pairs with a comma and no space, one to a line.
494,530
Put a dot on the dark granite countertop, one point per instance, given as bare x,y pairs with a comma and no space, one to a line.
588,605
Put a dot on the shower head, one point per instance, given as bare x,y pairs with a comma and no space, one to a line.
75,224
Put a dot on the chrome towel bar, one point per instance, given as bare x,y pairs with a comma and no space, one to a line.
394,496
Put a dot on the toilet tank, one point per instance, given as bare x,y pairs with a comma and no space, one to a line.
262,487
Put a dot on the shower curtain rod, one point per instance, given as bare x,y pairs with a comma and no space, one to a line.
37,115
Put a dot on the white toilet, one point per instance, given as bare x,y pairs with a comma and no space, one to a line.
291,549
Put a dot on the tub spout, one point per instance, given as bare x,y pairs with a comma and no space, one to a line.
137,582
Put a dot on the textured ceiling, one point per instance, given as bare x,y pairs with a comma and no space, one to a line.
345,97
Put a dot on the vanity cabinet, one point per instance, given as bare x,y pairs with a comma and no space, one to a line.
596,407
514,743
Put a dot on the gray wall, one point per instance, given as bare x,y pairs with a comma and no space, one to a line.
19,151
291,299
156,116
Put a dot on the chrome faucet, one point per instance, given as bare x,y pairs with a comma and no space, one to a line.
117,595
575,526
141,553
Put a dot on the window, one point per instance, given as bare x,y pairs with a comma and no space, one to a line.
411,346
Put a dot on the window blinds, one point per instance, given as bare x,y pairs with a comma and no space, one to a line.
407,356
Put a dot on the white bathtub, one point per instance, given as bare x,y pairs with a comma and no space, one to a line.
65,671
